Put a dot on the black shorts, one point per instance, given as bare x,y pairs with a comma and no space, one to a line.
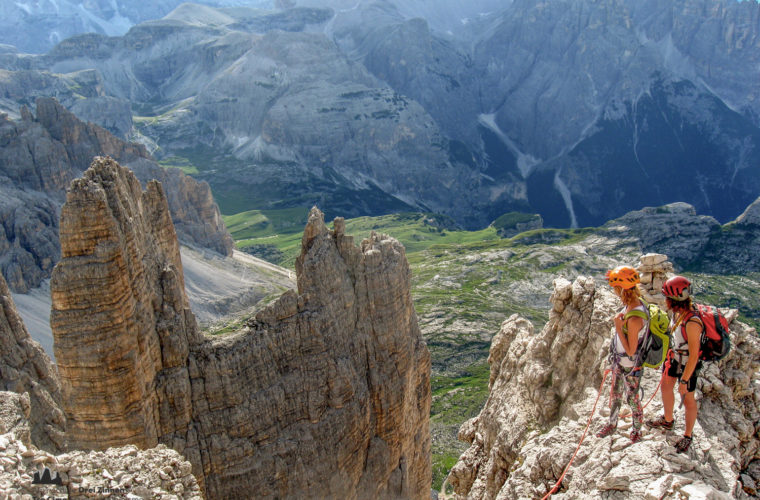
676,370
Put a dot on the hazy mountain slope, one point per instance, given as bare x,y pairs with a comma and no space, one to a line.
42,154
605,52
673,143
36,26
241,106
220,290
622,90
364,109
566,93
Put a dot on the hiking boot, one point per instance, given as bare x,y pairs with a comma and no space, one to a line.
682,446
635,436
606,431
660,423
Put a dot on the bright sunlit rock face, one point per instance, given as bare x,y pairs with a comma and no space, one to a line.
543,387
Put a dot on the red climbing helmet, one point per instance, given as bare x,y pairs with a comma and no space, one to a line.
677,288
623,276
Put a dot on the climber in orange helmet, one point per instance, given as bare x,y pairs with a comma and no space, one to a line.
630,330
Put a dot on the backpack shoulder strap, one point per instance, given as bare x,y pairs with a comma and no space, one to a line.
692,315
636,314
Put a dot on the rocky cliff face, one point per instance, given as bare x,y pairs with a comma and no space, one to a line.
695,242
41,155
24,367
540,401
596,110
123,240
324,394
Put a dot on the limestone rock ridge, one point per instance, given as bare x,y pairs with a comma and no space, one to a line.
543,388
329,386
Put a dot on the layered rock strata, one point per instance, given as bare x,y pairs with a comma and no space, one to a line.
25,368
41,155
117,472
542,391
324,394
120,314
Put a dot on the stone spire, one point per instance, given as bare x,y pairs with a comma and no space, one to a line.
120,314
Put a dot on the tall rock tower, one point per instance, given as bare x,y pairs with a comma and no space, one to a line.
120,316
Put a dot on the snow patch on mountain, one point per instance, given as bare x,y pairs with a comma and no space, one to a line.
560,186
525,162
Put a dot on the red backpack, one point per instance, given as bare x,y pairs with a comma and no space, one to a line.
714,342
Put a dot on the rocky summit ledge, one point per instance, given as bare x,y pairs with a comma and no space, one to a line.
543,387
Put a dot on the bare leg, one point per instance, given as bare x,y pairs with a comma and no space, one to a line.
691,412
668,399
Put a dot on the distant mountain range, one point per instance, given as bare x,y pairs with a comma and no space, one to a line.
42,153
579,111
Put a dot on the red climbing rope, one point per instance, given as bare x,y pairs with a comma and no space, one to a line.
650,399
593,410
655,390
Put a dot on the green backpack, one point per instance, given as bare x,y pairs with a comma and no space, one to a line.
653,348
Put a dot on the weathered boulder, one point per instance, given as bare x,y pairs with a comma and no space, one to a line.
25,368
521,443
330,386
28,472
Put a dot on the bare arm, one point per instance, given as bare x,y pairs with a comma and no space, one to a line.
631,340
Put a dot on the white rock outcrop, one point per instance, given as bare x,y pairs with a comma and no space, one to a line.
543,388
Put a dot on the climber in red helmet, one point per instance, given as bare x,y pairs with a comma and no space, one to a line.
684,364
630,329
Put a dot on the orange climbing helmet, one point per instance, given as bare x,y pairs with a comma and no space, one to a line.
623,276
